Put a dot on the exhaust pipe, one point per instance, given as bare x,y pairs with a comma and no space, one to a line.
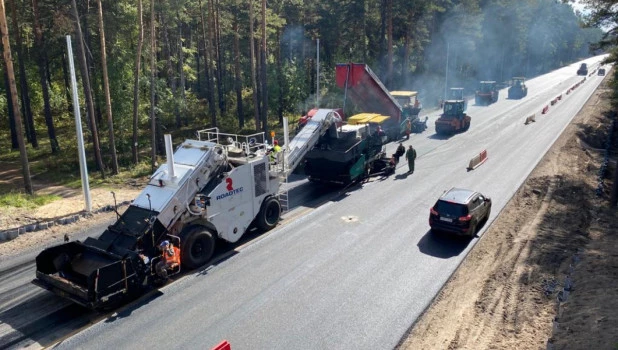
169,154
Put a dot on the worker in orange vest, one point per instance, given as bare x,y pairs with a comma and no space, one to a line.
170,258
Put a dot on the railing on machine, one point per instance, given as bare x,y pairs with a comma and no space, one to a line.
249,144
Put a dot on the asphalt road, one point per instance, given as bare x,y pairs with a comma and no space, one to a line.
354,272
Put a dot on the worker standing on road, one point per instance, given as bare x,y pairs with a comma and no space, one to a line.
411,156
408,128
401,150
170,258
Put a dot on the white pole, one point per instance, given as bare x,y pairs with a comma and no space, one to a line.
317,95
286,133
83,168
169,154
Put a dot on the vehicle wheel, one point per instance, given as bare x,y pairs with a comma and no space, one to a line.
269,214
197,246
473,231
466,126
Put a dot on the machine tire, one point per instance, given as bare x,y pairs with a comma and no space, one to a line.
269,214
473,231
197,247
466,126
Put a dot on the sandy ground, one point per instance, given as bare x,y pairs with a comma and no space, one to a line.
72,202
508,293
554,234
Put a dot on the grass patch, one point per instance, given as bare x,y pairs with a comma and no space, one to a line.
21,200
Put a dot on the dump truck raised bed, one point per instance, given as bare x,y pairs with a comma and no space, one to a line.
364,88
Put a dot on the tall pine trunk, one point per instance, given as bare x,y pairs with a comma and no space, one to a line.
138,62
253,69
264,67
280,80
181,72
108,99
218,55
153,55
210,89
389,43
171,77
8,60
43,72
23,82
238,74
87,91
9,109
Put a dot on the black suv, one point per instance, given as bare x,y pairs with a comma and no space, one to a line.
460,211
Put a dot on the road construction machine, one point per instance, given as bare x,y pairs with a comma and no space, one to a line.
352,153
487,93
457,94
453,118
305,118
367,92
518,88
215,187
583,69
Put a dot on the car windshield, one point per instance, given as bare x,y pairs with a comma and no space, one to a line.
453,109
451,209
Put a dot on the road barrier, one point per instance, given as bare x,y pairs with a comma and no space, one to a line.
530,119
477,160
545,109
559,97
224,345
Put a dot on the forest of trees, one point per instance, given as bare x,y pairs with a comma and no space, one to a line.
148,67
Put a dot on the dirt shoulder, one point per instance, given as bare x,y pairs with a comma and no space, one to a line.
555,233
71,202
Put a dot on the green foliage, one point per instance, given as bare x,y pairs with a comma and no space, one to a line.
21,200
482,40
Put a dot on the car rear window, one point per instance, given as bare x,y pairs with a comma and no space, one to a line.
451,209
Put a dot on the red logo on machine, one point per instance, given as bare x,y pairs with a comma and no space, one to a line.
230,189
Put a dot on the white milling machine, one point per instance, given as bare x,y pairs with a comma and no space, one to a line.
215,187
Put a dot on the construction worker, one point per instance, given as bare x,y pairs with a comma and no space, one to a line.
274,151
401,150
408,128
170,258
411,156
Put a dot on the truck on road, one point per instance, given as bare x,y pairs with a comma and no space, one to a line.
487,93
518,88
